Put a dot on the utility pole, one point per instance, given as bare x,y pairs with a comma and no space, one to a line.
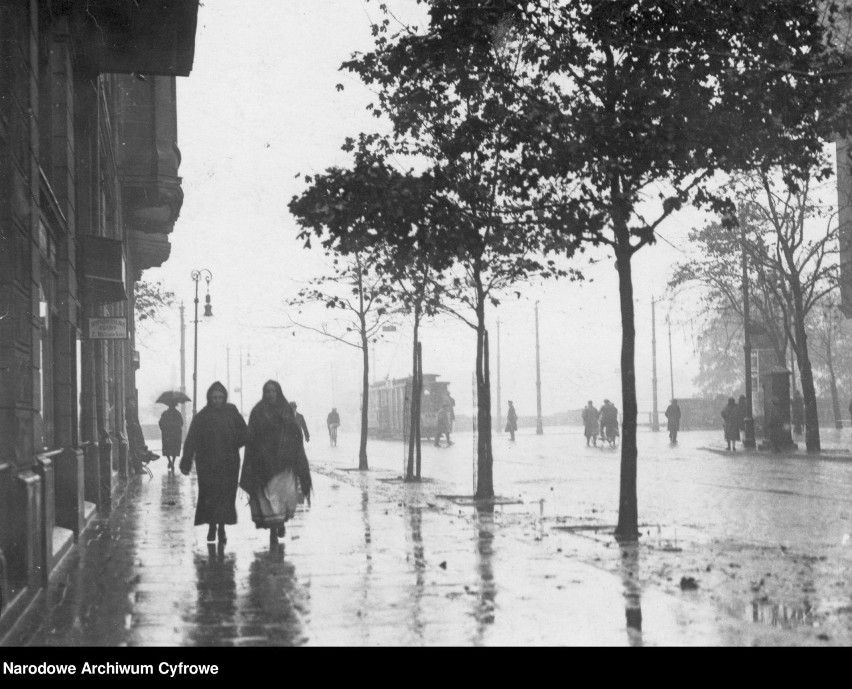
182,359
499,404
539,429
655,419
241,380
228,367
748,421
671,364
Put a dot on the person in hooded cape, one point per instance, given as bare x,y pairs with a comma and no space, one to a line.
275,468
215,437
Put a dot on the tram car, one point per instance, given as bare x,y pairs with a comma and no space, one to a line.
389,412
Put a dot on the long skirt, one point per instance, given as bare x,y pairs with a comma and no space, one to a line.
276,502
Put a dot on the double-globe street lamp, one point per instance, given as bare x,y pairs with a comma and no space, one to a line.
196,276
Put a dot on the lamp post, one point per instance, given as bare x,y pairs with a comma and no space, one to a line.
196,276
539,429
655,418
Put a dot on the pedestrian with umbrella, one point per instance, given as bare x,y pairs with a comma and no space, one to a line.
215,437
171,425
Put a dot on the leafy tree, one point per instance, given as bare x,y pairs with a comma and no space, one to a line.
150,298
387,218
641,104
804,260
449,115
353,293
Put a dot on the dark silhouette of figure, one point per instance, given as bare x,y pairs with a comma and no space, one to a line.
731,416
609,422
171,426
333,423
303,427
673,416
443,426
215,437
590,423
511,421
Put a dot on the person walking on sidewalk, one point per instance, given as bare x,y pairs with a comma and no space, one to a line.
303,427
673,416
590,423
333,423
215,437
731,418
511,421
443,426
171,425
275,468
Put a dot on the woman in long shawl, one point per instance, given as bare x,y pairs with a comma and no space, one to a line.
215,437
275,469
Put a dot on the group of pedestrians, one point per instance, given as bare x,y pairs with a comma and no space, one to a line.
601,423
275,474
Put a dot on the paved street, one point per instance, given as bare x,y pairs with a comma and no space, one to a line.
376,562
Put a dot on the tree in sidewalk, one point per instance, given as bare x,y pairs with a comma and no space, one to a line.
448,112
149,301
639,105
389,219
353,293
833,352
794,244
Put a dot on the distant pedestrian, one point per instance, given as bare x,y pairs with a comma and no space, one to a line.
609,422
333,423
511,421
773,424
171,427
451,406
306,435
590,423
673,416
731,417
275,468
215,437
443,426
797,412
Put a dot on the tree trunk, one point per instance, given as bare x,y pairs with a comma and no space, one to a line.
414,406
419,416
806,376
628,511
835,398
484,456
365,400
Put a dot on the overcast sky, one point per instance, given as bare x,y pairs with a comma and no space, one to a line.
261,106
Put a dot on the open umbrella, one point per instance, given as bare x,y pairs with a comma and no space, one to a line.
171,397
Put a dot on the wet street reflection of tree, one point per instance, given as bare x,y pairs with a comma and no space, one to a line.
414,536
366,586
632,592
485,609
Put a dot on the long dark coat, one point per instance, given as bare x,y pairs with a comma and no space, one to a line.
274,444
731,415
214,440
673,415
590,420
171,425
511,420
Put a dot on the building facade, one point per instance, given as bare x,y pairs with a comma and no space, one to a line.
89,192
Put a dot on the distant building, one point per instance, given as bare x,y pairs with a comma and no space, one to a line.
89,192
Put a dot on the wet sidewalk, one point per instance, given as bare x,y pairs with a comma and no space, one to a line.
372,562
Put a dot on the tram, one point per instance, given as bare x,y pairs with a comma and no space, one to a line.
390,400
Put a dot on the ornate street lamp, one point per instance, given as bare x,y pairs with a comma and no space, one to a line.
196,276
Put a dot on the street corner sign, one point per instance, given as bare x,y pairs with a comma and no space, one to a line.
108,328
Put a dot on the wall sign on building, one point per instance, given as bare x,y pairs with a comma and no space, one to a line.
107,328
